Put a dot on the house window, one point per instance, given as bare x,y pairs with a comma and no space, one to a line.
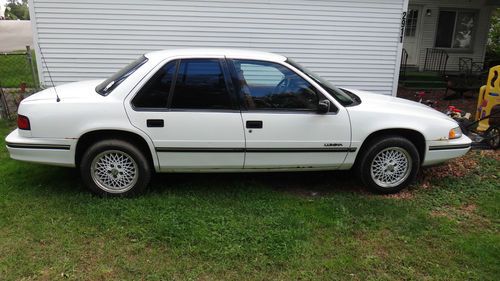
411,23
455,29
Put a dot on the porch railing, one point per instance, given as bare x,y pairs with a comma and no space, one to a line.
403,64
436,60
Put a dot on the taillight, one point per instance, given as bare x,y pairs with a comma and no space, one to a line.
23,123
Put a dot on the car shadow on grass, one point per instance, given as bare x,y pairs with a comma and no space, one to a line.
294,183
66,181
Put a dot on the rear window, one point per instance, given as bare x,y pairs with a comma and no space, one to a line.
106,87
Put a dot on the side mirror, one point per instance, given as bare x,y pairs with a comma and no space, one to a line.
323,106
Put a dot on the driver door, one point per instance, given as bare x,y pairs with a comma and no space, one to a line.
283,129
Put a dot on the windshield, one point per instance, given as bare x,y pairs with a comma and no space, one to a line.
343,97
112,82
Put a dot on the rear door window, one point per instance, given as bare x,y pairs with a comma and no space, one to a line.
156,91
201,84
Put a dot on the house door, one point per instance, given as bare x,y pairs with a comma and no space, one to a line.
412,31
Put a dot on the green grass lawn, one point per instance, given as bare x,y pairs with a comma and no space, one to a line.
14,70
280,226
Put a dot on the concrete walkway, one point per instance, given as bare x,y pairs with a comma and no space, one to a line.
15,35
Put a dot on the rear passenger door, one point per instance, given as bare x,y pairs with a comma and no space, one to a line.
192,116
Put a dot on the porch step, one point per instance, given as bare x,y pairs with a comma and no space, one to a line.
423,76
411,68
423,84
423,80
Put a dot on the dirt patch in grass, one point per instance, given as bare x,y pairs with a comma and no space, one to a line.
493,154
402,195
465,214
456,168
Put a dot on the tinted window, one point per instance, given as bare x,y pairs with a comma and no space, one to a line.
200,84
155,93
266,85
444,33
112,82
345,98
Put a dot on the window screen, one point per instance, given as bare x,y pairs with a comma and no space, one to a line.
446,24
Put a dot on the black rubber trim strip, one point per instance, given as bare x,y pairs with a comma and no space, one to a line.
447,147
259,150
272,150
198,149
38,146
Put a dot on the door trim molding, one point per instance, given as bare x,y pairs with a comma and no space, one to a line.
255,150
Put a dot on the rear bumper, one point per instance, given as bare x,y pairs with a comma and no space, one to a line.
59,152
441,151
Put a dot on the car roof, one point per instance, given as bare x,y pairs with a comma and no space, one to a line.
229,53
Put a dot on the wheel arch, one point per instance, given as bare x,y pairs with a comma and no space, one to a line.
414,136
91,137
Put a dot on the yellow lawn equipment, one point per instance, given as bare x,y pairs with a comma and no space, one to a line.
488,109
489,100
486,126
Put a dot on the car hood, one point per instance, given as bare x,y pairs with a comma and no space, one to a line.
387,103
75,90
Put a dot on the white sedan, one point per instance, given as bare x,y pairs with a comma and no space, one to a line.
210,110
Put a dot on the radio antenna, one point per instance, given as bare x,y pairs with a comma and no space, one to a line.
48,71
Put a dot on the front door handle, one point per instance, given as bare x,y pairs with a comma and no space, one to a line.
254,124
155,123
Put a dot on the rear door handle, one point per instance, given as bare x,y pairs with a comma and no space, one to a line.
253,124
155,123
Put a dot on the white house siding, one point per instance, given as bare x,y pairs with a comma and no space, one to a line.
429,25
353,43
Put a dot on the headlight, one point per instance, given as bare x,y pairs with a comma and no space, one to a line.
455,133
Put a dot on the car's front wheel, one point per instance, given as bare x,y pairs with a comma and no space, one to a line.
115,168
389,164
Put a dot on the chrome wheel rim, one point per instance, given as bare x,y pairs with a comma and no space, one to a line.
114,171
391,167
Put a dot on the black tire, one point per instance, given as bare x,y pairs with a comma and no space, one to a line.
141,168
493,137
387,144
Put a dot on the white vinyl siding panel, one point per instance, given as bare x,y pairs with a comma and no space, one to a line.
353,43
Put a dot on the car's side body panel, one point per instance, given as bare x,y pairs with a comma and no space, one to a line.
381,113
51,151
297,140
195,140
336,138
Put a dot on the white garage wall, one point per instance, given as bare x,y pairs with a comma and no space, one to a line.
353,43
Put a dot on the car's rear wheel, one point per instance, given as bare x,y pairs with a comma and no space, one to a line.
389,164
115,168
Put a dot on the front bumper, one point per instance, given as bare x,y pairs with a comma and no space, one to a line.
441,151
59,152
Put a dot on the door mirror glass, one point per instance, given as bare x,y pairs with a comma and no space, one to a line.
323,106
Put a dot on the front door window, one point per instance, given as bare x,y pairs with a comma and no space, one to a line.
271,86
411,23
